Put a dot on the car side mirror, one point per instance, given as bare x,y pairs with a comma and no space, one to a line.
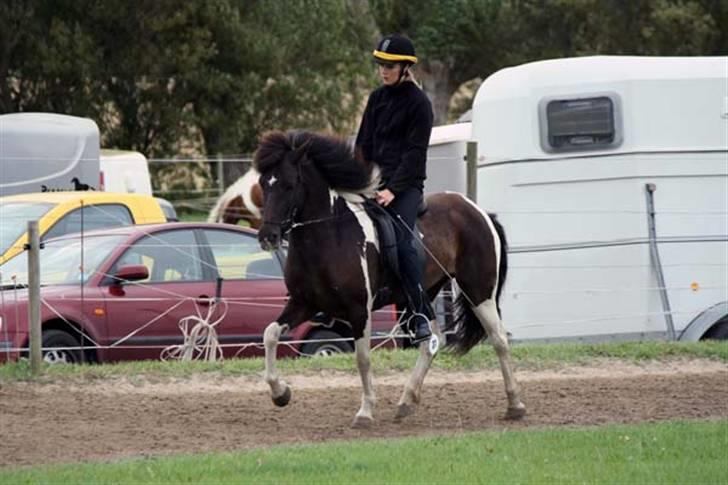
130,272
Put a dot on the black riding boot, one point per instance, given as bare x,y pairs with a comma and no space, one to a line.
420,311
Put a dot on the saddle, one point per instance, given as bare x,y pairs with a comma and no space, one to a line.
384,224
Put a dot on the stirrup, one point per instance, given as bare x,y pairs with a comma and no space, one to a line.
413,331
433,340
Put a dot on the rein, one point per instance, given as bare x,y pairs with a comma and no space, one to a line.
296,225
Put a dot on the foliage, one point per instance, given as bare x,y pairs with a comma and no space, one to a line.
462,40
164,77
668,452
167,77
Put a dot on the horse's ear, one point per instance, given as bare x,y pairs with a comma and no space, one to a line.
299,153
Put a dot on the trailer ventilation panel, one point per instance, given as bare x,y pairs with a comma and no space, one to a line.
580,123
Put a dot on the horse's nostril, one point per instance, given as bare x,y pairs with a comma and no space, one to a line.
268,243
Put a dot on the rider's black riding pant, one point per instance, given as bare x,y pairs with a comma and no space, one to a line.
405,205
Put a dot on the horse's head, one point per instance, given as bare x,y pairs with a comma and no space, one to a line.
280,160
297,166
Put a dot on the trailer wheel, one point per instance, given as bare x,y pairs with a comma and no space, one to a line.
719,331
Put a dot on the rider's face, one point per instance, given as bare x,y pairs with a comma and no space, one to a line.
389,72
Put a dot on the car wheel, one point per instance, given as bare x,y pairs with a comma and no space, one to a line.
54,348
719,331
325,349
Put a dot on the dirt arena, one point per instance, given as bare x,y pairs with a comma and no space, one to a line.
109,420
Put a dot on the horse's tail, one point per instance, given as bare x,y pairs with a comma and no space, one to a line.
503,264
468,331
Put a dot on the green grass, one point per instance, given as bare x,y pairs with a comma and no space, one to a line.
526,356
680,452
192,216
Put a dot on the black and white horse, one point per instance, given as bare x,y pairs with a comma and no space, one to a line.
334,264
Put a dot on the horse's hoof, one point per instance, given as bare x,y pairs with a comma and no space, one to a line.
362,422
404,410
283,399
516,413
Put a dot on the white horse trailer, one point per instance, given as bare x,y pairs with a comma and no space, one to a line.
47,151
125,171
568,149
446,169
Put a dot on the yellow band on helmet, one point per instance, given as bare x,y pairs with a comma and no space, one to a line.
393,57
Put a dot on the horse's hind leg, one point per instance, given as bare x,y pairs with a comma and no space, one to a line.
487,313
292,315
413,389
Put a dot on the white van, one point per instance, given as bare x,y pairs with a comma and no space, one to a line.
567,150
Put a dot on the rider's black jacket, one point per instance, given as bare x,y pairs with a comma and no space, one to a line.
395,132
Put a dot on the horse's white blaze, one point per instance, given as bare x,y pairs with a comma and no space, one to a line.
333,195
496,243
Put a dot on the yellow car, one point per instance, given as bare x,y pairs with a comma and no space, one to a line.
60,213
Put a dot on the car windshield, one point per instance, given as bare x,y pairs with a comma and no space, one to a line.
14,217
61,260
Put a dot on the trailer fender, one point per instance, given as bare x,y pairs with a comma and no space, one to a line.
702,323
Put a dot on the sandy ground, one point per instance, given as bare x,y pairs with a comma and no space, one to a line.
113,419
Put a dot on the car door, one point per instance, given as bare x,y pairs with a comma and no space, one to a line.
252,287
144,316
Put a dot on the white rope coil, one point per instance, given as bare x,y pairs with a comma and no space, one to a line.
201,341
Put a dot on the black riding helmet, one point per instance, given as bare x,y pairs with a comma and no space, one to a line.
395,48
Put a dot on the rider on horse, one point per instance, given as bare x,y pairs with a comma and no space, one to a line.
395,133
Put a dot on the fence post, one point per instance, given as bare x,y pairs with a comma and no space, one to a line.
36,339
471,177
220,175
655,259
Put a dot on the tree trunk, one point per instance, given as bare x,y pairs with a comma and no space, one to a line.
436,82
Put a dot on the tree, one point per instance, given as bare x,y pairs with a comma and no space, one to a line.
46,58
456,40
288,69
460,41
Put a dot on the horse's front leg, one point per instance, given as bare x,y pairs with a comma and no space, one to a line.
365,416
413,388
293,314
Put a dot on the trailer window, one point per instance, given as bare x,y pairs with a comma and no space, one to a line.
584,123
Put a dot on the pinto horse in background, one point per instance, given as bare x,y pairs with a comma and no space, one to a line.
243,200
334,263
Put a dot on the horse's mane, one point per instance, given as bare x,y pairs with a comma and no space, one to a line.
334,157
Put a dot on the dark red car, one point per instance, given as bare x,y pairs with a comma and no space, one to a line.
119,294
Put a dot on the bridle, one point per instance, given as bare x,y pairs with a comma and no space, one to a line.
287,224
